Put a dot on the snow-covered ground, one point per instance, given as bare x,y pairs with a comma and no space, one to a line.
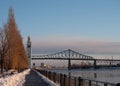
18,79
15,79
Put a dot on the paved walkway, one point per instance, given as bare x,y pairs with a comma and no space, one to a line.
34,80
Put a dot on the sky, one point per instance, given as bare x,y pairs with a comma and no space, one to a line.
87,26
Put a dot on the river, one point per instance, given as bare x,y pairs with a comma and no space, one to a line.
111,75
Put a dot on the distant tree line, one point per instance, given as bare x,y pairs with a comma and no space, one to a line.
12,52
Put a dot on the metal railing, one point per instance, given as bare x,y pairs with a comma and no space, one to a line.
67,80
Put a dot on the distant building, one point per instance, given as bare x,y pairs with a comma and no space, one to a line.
43,65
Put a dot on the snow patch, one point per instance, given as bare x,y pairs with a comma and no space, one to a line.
47,80
15,79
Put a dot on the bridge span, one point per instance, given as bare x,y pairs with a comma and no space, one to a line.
73,55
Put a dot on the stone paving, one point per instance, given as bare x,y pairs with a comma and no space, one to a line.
33,79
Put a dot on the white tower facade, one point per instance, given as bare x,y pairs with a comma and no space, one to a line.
29,52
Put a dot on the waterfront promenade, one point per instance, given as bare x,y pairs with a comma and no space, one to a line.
33,79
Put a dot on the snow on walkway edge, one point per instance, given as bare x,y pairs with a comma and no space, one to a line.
47,80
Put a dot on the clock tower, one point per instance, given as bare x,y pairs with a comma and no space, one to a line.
29,52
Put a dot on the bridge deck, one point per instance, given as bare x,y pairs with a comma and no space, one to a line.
33,79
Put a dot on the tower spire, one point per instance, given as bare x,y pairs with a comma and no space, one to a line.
28,38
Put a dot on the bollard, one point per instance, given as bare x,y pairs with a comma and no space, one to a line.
43,72
49,75
89,83
46,73
74,81
118,84
52,76
105,84
69,77
60,79
55,77
64,80
80,81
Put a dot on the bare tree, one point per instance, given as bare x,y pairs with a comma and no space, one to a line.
3,46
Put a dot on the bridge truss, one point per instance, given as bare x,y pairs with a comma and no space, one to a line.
73,55
64,55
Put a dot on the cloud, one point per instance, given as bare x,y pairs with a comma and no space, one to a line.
53,44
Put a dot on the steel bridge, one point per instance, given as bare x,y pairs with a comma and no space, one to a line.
73,55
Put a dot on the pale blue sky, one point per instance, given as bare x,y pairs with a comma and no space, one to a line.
49,20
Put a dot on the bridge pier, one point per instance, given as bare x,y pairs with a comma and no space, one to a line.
69,61
110,63
69,64
94,64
